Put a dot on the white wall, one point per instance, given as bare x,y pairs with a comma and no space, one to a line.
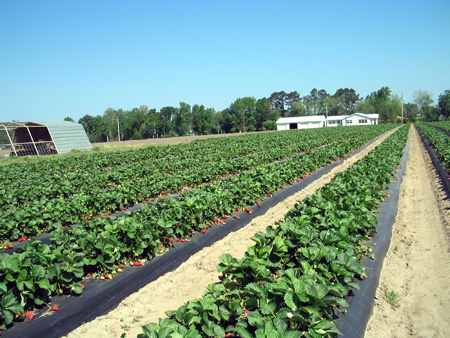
283,126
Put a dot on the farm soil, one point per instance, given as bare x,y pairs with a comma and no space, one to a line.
416,266
189,281
166,140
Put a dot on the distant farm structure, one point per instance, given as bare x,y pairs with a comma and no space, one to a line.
41,138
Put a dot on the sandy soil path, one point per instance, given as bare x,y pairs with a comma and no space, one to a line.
417,263
189,281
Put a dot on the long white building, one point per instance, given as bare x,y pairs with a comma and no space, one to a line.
319,121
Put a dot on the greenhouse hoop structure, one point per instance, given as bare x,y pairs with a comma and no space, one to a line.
41,138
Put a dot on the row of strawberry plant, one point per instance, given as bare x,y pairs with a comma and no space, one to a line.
439,141
444,125
295,278
152,165
26,219
100,245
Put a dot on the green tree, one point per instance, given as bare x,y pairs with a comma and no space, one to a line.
269,125
225,120
262,112
87,121
282,102
423,99
110,117
444,104
345,101
183,119
98,133
164,124
244,112
321,103
297,109
380,102
69,119
150,126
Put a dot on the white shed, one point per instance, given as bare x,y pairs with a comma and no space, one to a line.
42,138
301,122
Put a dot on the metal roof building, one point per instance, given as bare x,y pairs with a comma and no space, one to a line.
42,138
319,121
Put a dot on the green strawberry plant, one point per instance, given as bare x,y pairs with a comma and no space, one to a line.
295,277
96,245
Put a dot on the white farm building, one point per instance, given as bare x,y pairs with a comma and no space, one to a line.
319,121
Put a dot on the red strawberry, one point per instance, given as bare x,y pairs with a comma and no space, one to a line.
228,335
136,263
163,195
106,276
215,220
121,266
170,239
145,202
109,214
178,239
8,246
207,227
223,221
153,200
238,209
63,228
182,240
22,315
203,231
30,314
86,217
103,217
191,235
55,308
82,285
124,208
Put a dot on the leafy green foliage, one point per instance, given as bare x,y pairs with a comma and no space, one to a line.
97,245
297,274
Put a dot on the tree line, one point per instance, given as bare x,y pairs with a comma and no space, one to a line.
251,114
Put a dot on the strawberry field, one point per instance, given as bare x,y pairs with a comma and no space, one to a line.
438,139
290,281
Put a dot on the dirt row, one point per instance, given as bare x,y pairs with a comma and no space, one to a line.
413,298
189,281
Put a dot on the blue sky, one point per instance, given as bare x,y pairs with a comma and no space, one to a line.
71,58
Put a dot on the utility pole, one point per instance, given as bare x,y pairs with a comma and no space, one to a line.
118,128
402,106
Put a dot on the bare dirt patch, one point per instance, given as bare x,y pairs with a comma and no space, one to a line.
416,266
189,281
166,140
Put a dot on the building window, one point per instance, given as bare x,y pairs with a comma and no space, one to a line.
362,121
349,121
